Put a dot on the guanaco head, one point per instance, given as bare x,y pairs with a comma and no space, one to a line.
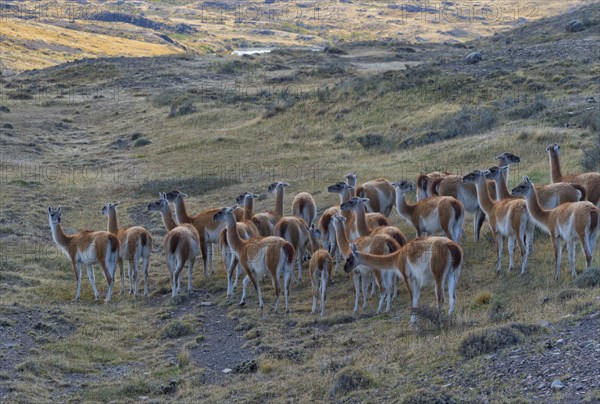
352,260
351,179
353,203
339,187
554,148
161,205
240,198
495,173
173,195
108,207
524,188
404,186
506,159
337,218
54,215
314,236
277,185
222,214
474,177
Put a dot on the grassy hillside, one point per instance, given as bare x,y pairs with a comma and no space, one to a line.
72,135
41,34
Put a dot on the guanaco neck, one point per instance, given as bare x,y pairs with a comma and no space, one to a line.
168,220
501,188
248,208
404,208
538,213
555,172
483,197
181,211
360,218
279,201
233,237
342,238
345,197
351,192
59,236
113,225
386,261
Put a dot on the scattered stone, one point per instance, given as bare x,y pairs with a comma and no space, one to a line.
575,26
544,323
473,58
227,370
557,385
4,109
560,342
120,144
206,304
141,142
7,125
590,100
594,315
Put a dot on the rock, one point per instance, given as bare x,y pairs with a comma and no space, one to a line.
473,58
263,32
575,26
591,100
141,142
7,125
594,315
560,342
544,323
4,109
120,144
227,370
206,304
557,385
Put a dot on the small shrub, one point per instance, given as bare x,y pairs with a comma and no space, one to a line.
338,138
568,294
483,298
142,142
370,141
185,109
249,366
591,155
498,310
183,358
350,379
491,339
176,329
589,278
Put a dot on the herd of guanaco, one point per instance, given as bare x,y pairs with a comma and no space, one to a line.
259,244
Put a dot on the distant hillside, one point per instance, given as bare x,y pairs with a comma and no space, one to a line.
41,34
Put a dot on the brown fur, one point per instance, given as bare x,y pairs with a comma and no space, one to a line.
557,222
258,254
441,255
505,216
104,243
305,207
372,190
589,181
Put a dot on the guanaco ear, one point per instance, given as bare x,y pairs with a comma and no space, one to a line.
58,210
353,249
49,209
363,200
183,195
116,203
350,186
526,179
285,184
